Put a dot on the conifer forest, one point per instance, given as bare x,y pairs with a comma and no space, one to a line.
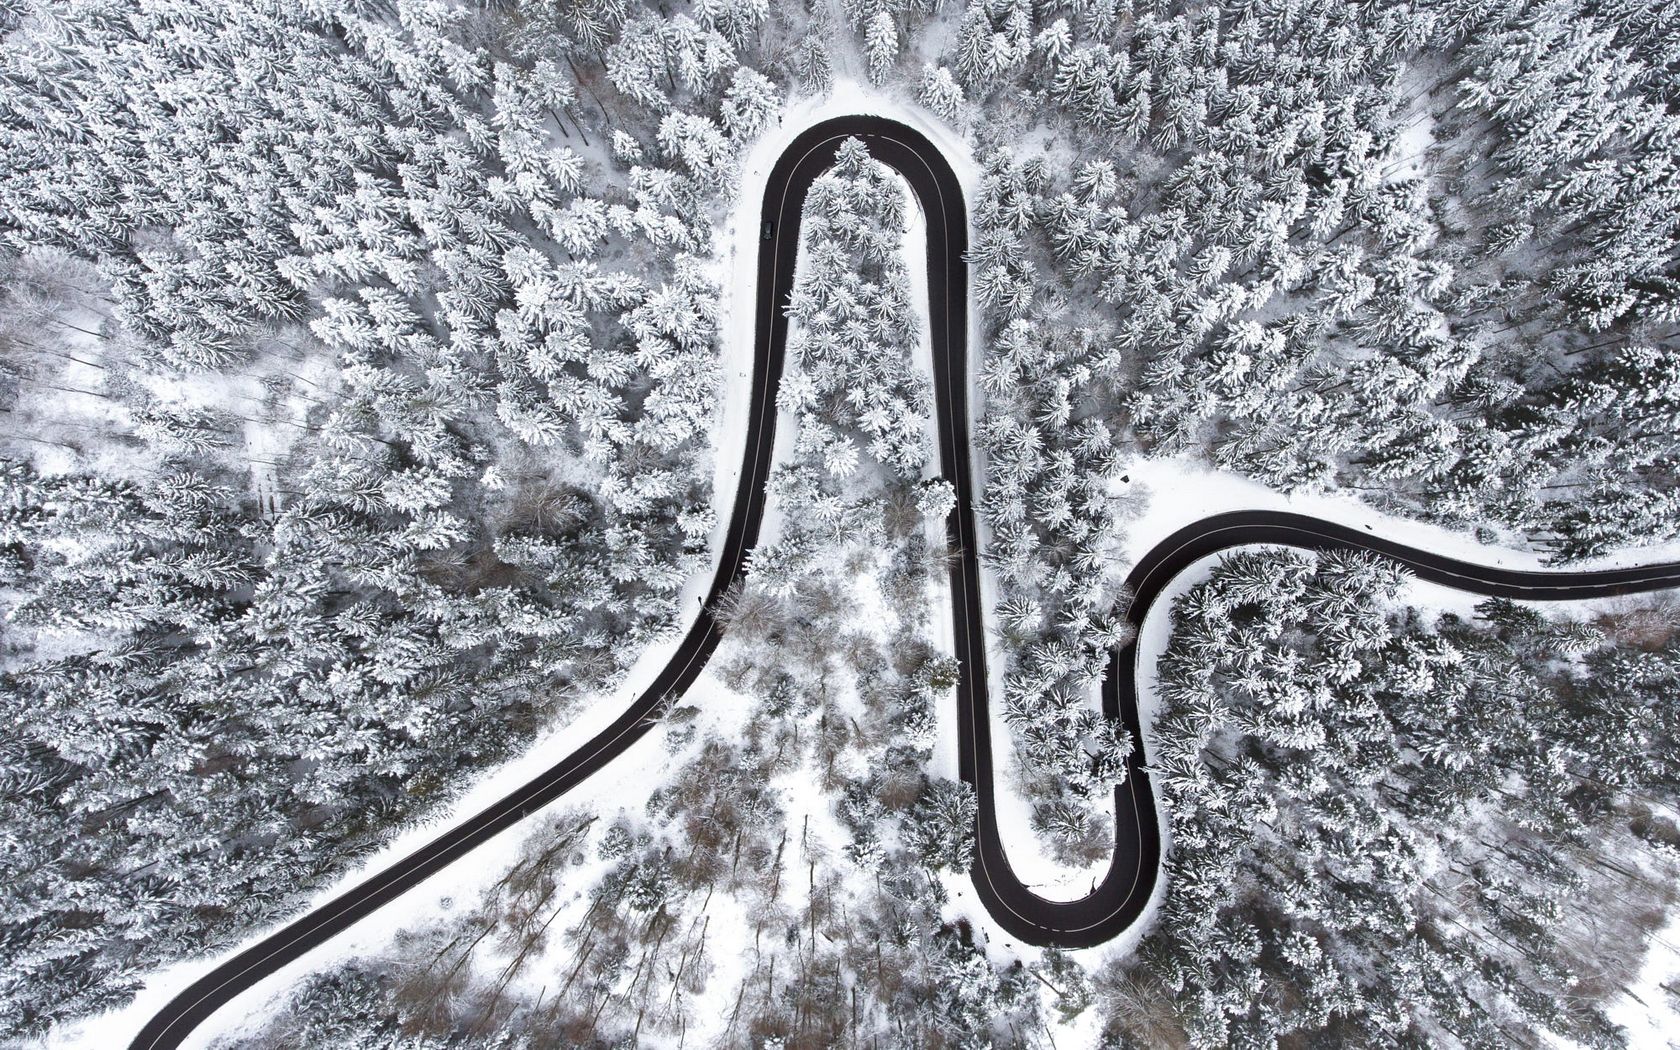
801,524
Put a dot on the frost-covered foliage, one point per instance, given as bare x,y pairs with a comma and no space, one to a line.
854,325
1404,828
244,650
1054,525
718,913
1425,251
359,362
860,404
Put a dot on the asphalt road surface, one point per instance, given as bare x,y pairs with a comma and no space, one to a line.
1125,890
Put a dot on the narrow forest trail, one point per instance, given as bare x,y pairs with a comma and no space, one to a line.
1126,888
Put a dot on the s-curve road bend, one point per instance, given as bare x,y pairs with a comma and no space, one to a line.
1126,888
1120,898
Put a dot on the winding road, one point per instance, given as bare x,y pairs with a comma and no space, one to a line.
1125,890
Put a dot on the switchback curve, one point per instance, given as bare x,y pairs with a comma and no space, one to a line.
1126,888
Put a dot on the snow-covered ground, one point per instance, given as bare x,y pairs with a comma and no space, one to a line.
622,787
1647,1010
1181,492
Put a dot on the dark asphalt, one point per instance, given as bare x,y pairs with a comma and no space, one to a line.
1125,890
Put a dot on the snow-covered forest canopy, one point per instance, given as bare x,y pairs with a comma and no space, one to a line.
362,384
1385,823
360,367
1422,251
647,928
1392,820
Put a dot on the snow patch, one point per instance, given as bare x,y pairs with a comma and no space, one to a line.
1183,491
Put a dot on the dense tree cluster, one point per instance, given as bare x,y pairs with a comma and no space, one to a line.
853,325
1053,526
1386,826
222,695
1388,249
859,402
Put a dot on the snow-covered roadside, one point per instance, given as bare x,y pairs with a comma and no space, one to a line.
944,762
622,786
1182,491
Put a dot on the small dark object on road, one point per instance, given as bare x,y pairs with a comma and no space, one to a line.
769,230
